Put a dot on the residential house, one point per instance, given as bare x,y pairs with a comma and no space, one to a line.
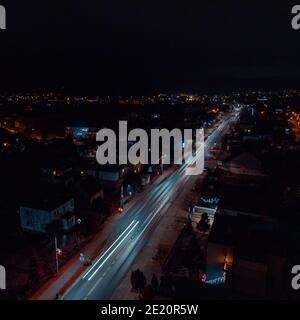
43,208
244,164
57,173
88,191
111,177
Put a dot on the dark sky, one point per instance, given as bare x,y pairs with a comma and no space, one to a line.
147,46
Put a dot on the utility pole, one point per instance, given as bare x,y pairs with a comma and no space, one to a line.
57,253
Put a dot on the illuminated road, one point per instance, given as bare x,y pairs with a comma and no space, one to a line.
132,231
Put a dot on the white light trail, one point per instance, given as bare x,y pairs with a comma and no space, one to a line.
104,254
91,277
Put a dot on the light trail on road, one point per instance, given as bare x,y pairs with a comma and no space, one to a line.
100,281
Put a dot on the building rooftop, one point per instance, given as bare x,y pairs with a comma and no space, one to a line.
90,185
247,198
245,232
260,241
46,199
68,215
244,160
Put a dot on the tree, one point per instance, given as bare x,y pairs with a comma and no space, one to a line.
203,224
134,280
138,280
142,282
154,283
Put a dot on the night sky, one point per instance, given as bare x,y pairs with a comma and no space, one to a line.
141,47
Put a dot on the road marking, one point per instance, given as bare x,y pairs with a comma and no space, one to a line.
94,287
102,256
91,277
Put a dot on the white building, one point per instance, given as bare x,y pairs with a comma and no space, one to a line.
38,214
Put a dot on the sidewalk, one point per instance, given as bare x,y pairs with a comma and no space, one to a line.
73,269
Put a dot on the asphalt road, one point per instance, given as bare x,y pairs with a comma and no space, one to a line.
133,230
